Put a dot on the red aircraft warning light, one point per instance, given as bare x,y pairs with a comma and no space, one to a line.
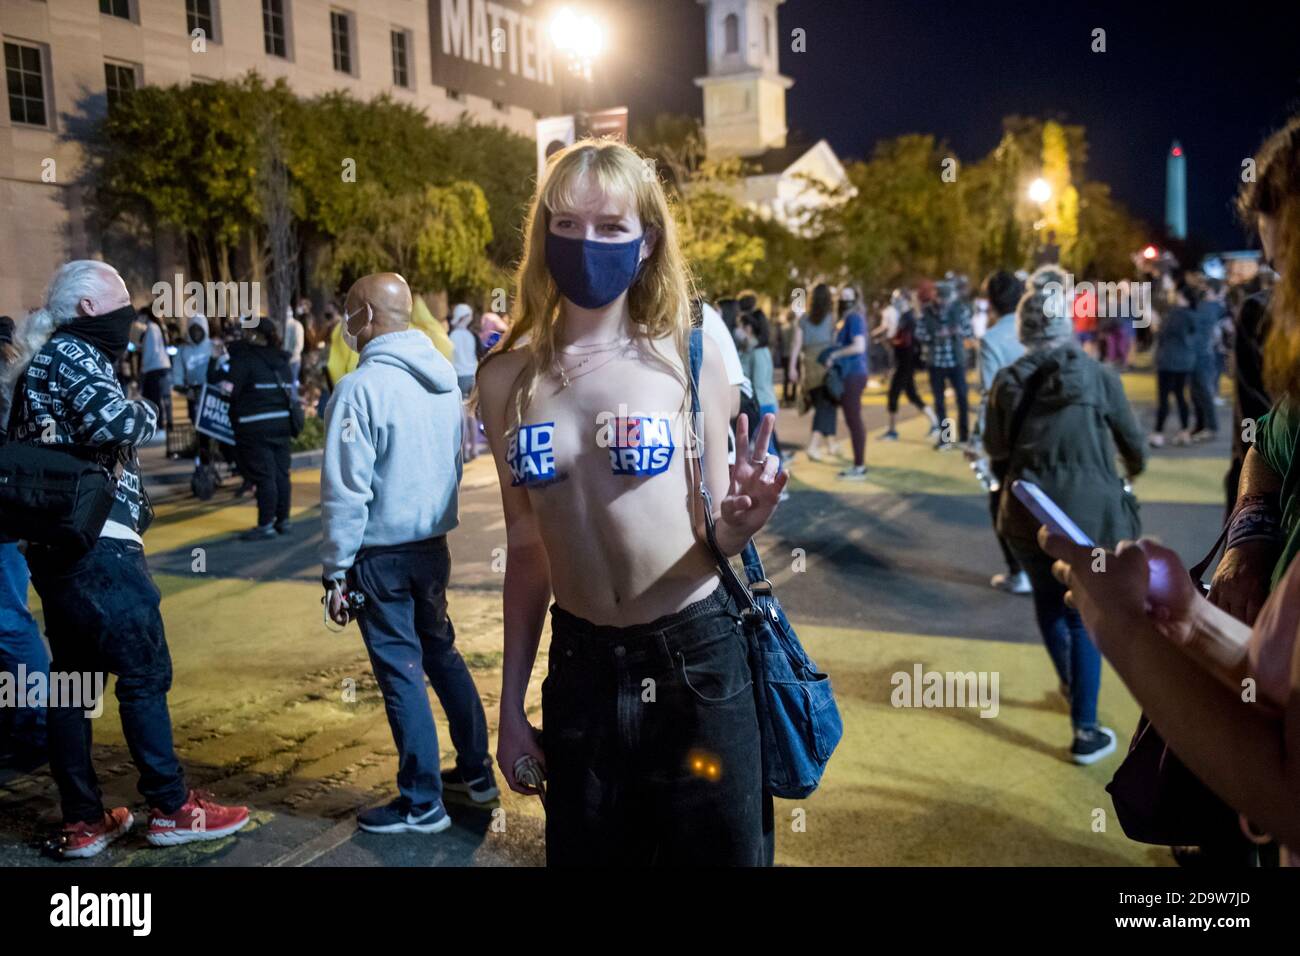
1150,252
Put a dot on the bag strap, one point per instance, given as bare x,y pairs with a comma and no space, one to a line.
1197,571
1021,414
1032,387
754,572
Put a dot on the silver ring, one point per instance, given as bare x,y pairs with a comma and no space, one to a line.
759,462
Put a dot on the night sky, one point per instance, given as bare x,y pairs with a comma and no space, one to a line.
1217,82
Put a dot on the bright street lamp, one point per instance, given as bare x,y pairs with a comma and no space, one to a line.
1040,190
580,36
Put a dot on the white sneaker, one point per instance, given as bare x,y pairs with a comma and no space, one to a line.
1017,583
814,454
1157,440
856,473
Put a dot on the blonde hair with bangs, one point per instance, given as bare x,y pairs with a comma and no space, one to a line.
660,297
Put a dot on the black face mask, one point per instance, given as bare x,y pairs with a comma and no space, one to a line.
109,333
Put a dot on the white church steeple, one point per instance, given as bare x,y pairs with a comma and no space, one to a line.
744,91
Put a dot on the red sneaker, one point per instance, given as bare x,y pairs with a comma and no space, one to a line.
77,841
198,819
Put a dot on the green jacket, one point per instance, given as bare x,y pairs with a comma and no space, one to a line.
1079,420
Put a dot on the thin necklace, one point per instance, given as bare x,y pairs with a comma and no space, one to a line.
569,376
594,348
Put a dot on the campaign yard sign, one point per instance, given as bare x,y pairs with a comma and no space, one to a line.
213,416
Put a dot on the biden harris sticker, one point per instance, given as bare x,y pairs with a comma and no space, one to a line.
531,454
639,445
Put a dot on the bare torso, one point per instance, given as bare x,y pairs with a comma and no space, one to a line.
603,462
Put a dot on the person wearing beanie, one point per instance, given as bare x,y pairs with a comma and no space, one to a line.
1056,417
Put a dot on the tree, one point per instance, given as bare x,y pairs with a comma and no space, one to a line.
1061,211
186,157
436,238
194,158
1108,234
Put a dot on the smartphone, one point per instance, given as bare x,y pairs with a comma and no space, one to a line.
1048,512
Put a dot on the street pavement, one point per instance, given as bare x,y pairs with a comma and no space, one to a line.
272,709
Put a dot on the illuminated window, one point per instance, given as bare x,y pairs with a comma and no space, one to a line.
731,28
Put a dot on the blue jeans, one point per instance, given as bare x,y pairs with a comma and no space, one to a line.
1074,655
102,614
408,636
20,645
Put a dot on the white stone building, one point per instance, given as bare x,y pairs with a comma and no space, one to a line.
64,59
744,112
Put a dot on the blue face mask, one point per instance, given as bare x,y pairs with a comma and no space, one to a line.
590,274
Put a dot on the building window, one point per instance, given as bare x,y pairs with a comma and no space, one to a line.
456,95
731,29
341,40
767,35
198,16
401,60
119,78
116,8
500,106
25,75
274,34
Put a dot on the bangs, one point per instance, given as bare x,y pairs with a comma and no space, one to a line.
615,173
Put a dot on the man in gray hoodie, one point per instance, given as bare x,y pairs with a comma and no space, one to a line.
388,498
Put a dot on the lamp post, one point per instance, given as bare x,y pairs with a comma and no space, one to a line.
580,38
1040,192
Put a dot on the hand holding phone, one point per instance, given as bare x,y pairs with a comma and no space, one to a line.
1048,512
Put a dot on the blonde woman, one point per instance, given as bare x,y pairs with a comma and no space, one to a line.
650,742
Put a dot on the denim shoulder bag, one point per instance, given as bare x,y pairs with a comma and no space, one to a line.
798,720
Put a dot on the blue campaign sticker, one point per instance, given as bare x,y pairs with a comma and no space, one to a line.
641,445
531,454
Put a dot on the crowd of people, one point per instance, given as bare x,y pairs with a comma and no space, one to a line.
605,317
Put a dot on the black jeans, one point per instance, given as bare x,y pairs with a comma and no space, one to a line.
101,614
1171,384
957,376
1204,383
995,505
409,636
157,387
265,462
826,412
903,381
652,743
